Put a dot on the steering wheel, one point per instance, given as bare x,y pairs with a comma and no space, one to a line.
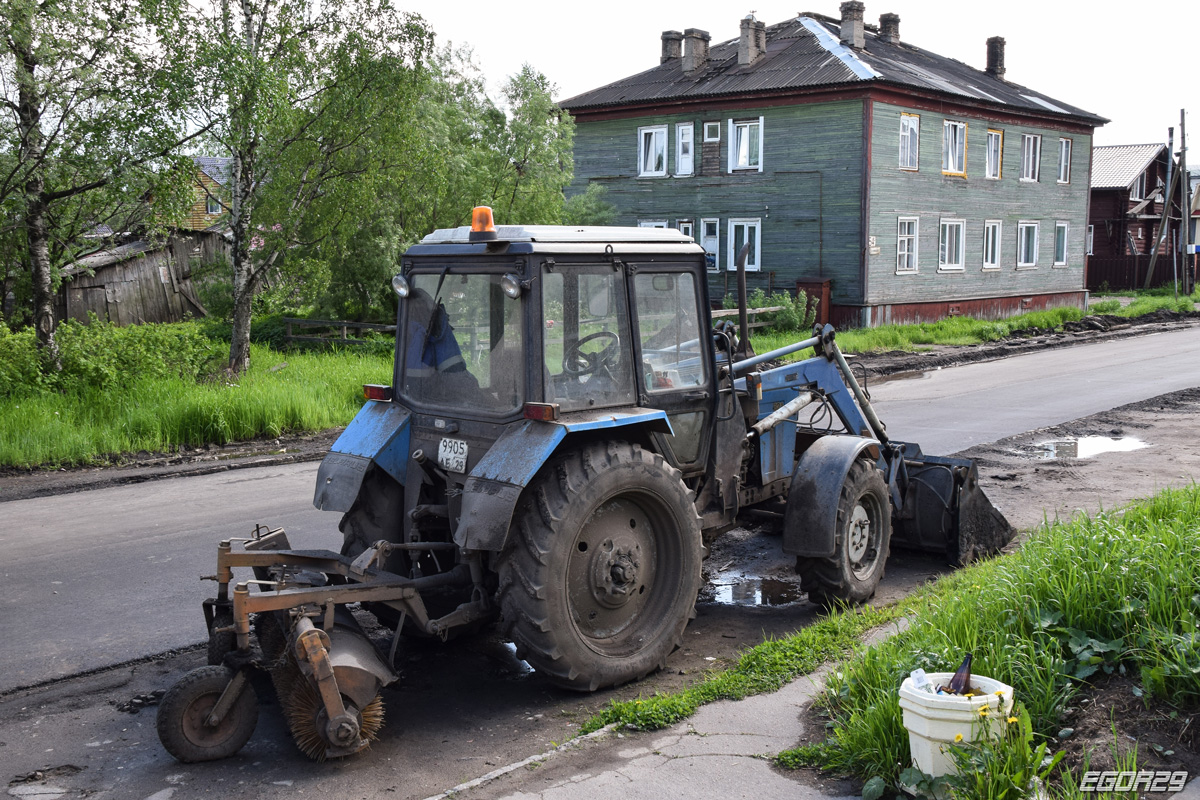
578,363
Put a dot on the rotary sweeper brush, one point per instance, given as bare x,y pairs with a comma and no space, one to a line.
564,431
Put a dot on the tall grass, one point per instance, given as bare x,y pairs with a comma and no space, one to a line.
1099,594
281,393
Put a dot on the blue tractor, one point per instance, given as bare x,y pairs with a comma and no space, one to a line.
564,434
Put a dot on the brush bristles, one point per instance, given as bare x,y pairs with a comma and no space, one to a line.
301,705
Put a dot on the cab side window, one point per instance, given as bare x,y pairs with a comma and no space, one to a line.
669,331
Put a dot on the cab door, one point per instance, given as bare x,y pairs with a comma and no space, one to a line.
673,354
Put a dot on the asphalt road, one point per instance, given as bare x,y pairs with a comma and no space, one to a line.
101,577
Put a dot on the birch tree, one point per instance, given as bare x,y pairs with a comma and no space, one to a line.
91,121
308,99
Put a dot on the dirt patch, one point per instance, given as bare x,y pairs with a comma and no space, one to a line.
1110,720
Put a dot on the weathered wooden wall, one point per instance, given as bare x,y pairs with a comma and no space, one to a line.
808,195
932,196
153,285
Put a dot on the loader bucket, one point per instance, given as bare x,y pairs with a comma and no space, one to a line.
943,509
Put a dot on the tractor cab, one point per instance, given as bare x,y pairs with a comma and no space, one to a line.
555,324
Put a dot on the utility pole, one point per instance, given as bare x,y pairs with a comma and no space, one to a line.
1185,206
1164,223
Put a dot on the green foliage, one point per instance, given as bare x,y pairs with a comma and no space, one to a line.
1008,767
101,355
798,314
1105,307
1042,620
760,669
589,207
280,394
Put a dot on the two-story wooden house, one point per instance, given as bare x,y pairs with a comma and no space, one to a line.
210,202
915,185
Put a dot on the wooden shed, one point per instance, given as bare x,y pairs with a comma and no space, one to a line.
139,281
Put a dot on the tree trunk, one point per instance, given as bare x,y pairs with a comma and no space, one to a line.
37,228
244,279
37,231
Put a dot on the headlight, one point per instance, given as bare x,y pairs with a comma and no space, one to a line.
400,286
511,285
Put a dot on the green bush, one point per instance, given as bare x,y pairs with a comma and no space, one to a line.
799,312
100,355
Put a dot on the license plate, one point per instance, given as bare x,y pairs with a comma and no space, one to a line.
452,455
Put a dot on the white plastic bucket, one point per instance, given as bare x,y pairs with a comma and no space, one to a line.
934,720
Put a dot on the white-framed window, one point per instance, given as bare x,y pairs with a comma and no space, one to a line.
710,240
906,243
652,151
950,244
910,140
211,204
1064,160
954,147
1027,243
992,229
685,135
685,227
995,155
1138,190
745,144
652,223
1091,239
742,231
1031,156
1060,243
712,131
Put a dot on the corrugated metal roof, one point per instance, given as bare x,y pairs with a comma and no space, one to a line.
799,56
109,256
217,168
1116,166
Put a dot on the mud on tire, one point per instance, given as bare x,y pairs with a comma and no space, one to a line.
602,568
862,540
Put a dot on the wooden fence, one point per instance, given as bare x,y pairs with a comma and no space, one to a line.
1117,273
336,331
751,313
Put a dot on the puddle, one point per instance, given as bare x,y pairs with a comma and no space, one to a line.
1088,446
747,591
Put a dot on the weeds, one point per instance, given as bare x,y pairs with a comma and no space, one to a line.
760,669
1093,595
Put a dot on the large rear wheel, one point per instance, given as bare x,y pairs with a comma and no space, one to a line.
603,566
862,540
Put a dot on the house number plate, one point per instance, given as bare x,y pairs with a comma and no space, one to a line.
452,455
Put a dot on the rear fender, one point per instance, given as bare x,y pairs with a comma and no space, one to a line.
494,487
378,434
810,519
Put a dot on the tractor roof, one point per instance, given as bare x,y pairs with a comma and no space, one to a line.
563,233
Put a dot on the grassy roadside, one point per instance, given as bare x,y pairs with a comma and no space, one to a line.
109,405
968,331
1095,596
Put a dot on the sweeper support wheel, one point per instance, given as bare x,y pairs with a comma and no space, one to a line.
193,722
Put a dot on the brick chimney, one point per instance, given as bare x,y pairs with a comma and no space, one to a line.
672,46
695,50
852,24
995,57
889,28
753,41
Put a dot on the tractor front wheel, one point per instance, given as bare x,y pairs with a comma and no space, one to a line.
602,570
185,707
862,539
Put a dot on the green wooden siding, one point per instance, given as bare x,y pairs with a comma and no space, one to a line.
932,196
808,196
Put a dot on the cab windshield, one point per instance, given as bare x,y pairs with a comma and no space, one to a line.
461,344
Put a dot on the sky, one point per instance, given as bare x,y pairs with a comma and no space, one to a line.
1136,65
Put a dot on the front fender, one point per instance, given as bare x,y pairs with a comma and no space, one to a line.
379,433
810,519
494,487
